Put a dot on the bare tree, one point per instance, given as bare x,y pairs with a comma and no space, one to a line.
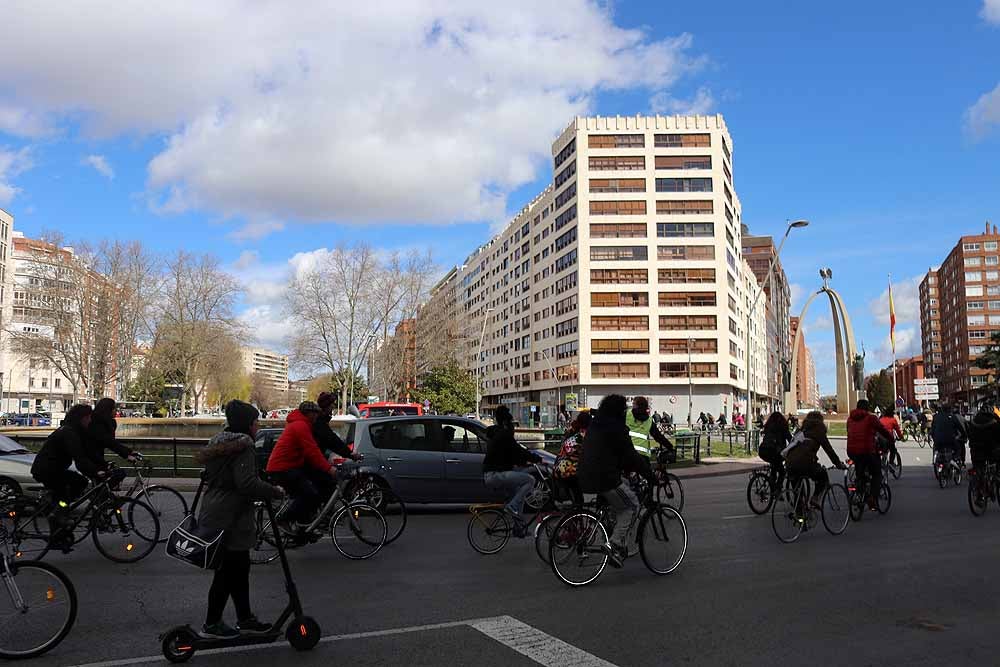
264,394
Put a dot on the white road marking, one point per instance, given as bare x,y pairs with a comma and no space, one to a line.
738,516
534,644
526,640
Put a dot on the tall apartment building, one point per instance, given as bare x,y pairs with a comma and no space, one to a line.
625,275
759,251
968,284
930,324
804,374
272,366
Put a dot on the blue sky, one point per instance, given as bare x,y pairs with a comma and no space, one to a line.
878,122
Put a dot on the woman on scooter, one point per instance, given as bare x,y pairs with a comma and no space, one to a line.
231,487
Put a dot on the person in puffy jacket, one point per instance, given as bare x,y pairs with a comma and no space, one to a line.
503,456
802,459
227,503
862,430
298,465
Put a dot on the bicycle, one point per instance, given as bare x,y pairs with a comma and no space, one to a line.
984,486
358,530
124,530
947,469
373,490
167,502
578,548
793,512
762,489
911,431
40,605
859,493
892,463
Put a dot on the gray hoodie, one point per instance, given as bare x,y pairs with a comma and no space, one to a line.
231,487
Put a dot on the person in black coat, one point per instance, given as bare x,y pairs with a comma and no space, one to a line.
776,436
101,433
503,455
327,439
608,454
64,447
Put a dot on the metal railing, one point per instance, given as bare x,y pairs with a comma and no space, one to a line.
171,457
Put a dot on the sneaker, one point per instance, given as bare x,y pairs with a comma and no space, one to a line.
251,626
614,555
218,631
520,529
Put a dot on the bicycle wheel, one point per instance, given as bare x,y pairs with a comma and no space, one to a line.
787,517
373,491
358,531
576,550
169,506
489,531
663,540
126,530
265,548
540,497
37,609
942,475
543,535
836,509
884,501
759,493
958,475
670,491
895,465
978,500
9,488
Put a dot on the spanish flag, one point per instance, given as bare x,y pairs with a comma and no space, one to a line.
892,320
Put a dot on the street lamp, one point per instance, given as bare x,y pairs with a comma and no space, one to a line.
690,386
479,361
798,224
554,377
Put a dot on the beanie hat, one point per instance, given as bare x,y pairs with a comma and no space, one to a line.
240,416
325,400
306,407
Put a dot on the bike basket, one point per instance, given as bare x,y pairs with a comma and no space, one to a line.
194,545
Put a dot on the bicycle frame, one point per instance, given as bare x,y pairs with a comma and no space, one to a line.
91,497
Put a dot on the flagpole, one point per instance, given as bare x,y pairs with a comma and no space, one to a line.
892,338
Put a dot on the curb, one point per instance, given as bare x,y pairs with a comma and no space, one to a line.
715,473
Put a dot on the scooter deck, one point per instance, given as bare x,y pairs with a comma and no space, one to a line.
204,643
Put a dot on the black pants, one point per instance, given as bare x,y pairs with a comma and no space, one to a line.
308,488
773,457
66,485
869,465
816,472
232,580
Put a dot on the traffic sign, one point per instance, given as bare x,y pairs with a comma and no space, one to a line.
925,382
427,403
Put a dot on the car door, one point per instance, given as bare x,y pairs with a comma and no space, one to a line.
411,453
465,447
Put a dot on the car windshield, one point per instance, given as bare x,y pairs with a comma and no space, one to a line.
8,447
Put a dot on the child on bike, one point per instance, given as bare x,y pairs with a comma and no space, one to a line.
569,457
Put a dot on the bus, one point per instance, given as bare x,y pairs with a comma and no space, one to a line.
388,409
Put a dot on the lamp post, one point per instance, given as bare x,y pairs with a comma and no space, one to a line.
690,385
479,361
798,224
558,388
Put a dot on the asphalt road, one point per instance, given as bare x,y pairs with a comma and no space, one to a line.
917,587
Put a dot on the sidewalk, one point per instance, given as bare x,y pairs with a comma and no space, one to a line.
719,466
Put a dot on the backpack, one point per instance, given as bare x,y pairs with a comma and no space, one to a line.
796,441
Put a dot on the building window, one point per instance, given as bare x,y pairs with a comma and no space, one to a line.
970,247
619,322
699,369
685,229
686,207
682,140
618,230
566,328
624,370
566,261
561,178
688,323
973,276
618,276
619,346
683,161
974,290
634,207
617,163
684,185
990,245
566,195
58,383
680,346
616,141
973,261
686,299
618,185
992,260
565,240
565,153
678,276
685,252
565,283
566,217
602,253
619,299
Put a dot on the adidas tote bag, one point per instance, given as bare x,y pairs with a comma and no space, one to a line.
194,545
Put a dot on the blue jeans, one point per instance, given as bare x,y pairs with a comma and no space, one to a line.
511,481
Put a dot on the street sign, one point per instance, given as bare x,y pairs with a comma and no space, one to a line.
900,403
925,382
926,389
570,402
427,403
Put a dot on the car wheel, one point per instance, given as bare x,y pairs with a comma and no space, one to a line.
9,487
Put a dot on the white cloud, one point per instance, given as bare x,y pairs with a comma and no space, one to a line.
255,231
798,293
907,345
819,323
983,117
702,103
246,260
991,11
395,111
100,163
22,123
12,163
905,298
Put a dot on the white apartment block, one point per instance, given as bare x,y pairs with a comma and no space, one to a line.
272,366
626,275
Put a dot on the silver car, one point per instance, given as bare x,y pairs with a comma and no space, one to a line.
15,468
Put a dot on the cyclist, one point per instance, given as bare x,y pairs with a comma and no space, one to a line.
891,424
776,437
608,454
66,446
326,438
802,459
101,433
503,455
299,467
642,429
721,421
984,438
569,457
862,429
922,422
948,433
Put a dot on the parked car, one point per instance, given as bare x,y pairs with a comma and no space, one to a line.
423,459
29,419
15,467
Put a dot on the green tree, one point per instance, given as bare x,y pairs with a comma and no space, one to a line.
449,388
990,361
879,390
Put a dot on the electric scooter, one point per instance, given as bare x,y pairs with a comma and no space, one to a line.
303,632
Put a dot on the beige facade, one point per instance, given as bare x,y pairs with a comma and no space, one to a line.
272,366
601,283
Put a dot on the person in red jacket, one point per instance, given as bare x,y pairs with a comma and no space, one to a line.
891,424
297,465
862,429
